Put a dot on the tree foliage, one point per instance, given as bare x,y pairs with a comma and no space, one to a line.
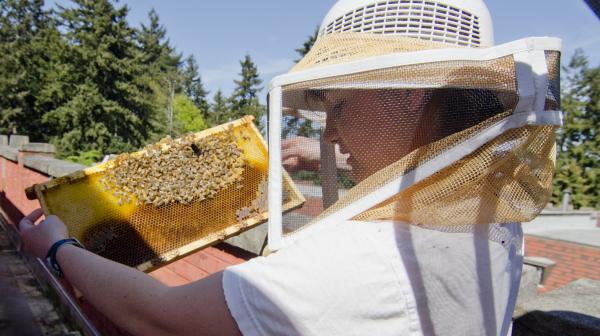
82,78
110,107
29,42
220,109
578,141
244,100
293,125
86,158
193,87
161,63
308,44
188,117
156,51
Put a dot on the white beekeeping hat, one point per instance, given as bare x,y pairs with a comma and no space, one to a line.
481,149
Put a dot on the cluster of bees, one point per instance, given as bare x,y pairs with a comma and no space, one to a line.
181,171
258,205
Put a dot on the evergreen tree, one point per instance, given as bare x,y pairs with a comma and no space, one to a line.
293,125
162,72
308,44
110,106
192,86
578,141
220,111
157,52
244,100
28,42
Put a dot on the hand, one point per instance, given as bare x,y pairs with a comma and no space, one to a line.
37,239
301,153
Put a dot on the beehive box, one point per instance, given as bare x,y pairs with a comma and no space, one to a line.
148,232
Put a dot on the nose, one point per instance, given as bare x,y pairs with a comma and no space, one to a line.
330,134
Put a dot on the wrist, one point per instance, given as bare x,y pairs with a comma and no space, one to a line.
49,243
51,256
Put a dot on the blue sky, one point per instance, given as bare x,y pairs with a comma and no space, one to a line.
220,33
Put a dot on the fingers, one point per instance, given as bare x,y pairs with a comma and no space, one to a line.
29,220
298,141
295,151
300,153
24,224
289,148
287,143
288,153
35,215
297,146
291,164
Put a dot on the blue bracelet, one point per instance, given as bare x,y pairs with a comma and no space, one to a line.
51,255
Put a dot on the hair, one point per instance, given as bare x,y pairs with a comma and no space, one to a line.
314,95
456,109
459,109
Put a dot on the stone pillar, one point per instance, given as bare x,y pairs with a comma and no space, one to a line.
566,200
18,140
544,267
37,149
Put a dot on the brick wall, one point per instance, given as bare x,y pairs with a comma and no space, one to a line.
13,182
15,177
573,261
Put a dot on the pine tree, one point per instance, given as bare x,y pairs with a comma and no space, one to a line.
293,125
193,87
220,111
578,141
28,43
308,44
161,63
109,108
156,49
244,100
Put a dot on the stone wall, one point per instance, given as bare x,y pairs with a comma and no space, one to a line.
572,261
23,164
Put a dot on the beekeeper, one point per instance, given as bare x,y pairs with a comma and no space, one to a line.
443,134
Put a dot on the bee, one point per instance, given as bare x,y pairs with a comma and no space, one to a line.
177,171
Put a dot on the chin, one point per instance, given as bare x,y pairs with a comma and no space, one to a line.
356,176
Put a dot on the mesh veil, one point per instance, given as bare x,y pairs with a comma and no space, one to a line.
390,121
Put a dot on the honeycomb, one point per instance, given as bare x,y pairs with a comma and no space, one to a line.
212,186
176,171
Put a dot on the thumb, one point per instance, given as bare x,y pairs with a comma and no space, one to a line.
28,221
291,164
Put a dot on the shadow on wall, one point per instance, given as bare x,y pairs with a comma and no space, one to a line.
10,210
556,323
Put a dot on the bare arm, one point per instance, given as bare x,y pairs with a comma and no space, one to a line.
132,299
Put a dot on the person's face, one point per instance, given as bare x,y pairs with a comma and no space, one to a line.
376,127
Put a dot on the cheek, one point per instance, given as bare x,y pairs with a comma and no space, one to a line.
360,132
382,137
